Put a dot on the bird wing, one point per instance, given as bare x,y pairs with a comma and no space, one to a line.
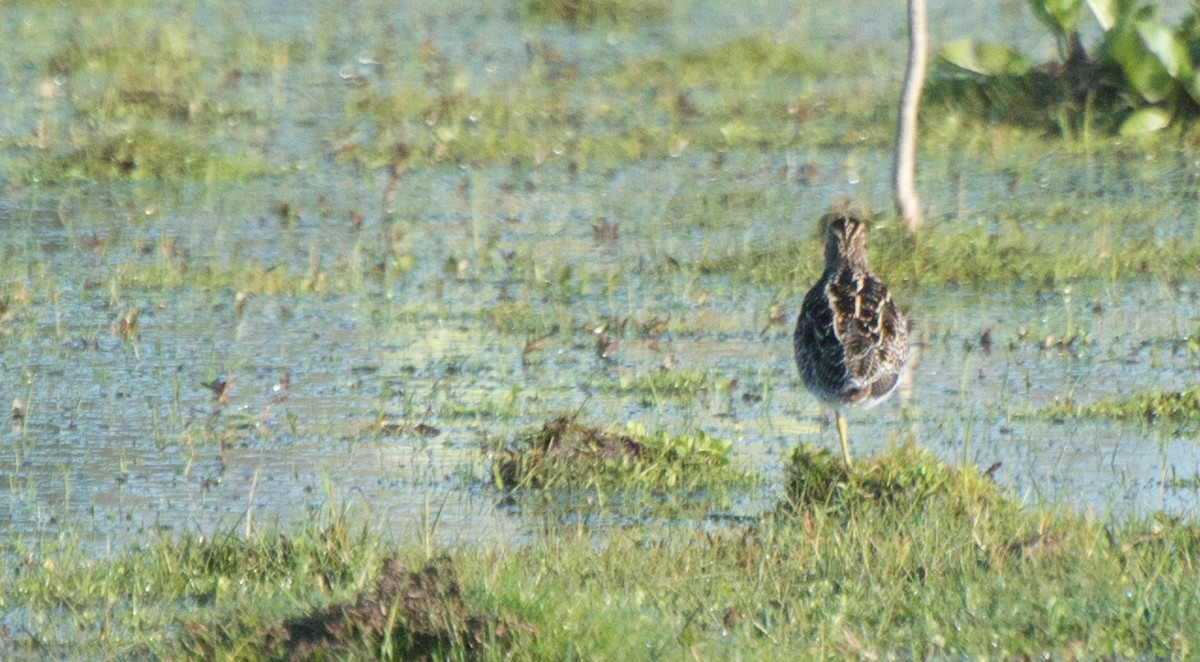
872,333
818,347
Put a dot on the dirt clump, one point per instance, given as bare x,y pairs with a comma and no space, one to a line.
422,612
562,446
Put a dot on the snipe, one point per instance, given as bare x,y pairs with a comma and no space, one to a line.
851,343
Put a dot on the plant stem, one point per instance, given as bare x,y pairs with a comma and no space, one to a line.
907,202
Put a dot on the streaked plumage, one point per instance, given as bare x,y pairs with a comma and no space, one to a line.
851,343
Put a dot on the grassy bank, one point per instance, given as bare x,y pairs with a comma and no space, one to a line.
909,558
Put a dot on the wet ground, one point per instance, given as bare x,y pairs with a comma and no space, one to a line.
371,342
393,384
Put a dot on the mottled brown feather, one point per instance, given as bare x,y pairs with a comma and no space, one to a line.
851,344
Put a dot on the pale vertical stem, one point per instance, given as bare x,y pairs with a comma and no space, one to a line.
907,202
250,503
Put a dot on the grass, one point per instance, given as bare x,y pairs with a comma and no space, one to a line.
908,558
654,386
165,97
141,154
738,95
589,13
948,253
522,318
144,96
973,256
1180,408
566,454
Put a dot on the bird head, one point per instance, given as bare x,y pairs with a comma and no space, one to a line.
845,242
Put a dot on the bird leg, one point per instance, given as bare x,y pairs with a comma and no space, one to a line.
844,435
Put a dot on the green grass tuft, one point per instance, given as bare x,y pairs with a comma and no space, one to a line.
1151,407
907,480
565,454
141,154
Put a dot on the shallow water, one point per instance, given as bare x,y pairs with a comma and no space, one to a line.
118,438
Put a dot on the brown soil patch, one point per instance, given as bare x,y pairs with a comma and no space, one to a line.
421,611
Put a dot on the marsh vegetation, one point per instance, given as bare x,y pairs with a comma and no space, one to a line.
463,330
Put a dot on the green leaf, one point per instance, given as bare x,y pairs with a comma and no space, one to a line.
1145,71
984,59
1108,11
1162,43
1192,85
1061,16
1146,120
